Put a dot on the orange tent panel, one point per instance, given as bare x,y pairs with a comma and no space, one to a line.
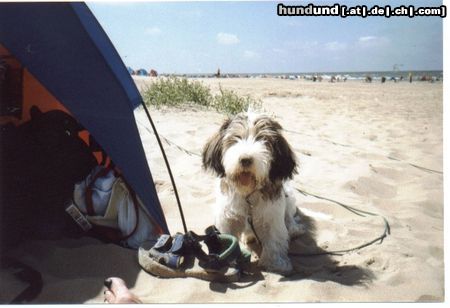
34,94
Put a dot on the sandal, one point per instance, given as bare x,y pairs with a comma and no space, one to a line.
182,256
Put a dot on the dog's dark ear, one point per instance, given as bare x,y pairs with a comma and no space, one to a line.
284,163
212,151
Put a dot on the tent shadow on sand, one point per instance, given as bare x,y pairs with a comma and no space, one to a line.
73,270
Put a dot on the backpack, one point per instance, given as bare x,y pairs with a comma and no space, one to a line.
40,161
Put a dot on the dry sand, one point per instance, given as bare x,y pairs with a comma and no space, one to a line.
377,147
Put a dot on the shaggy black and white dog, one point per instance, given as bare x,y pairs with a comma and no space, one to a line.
253,163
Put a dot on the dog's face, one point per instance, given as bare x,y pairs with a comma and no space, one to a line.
250,150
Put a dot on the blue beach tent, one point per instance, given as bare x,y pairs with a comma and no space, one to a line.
63,48
141,72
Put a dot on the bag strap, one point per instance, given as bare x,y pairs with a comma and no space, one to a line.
26,274
95,147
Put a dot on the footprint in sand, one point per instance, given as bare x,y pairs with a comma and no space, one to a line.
365,186
389,173
429,298
373,137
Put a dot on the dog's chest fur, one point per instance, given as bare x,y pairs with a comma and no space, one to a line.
233,204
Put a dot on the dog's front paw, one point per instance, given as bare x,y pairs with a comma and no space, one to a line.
281,265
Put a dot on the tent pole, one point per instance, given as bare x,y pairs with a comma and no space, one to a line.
167,165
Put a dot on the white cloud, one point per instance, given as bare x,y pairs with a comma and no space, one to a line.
227,38
248,54
367,38
335,46
154,31
373,41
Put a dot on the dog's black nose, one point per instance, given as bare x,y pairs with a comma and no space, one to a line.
246,161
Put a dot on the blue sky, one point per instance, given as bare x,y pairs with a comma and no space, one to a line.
249,37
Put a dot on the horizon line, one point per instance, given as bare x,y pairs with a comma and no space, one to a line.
309,72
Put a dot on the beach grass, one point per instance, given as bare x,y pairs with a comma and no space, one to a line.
176,92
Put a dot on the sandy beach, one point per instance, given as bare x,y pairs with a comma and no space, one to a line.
376,147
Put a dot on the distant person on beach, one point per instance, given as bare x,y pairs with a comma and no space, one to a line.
410,77
218,73
333,79
383,79
368,78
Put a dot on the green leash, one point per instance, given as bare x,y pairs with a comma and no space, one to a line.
386,232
